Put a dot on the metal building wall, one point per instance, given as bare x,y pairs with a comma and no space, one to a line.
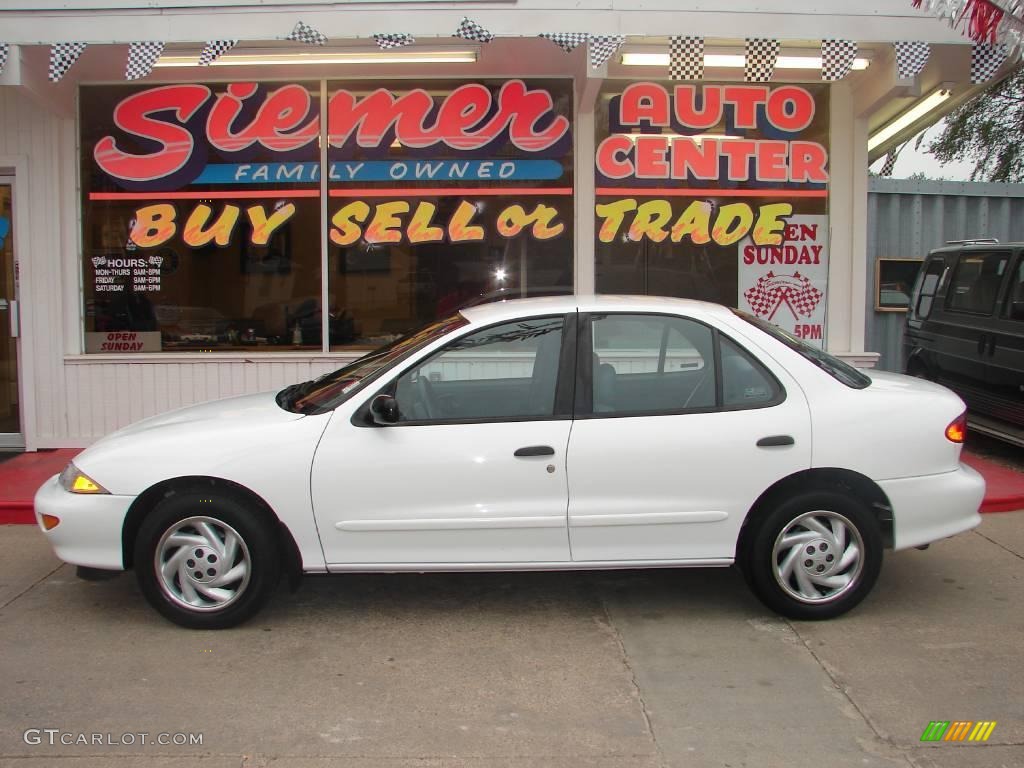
908,218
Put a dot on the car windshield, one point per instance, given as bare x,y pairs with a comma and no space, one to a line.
836,368
330,390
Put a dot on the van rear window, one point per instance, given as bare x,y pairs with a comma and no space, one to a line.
975,283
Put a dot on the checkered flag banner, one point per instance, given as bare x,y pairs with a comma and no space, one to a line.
804,298
837,58
303,33
911,56
393,40
685,57
5,49
141,58
470,30
760,297
567,41
761,56
890,163
603,47
62,56
214,50
986,59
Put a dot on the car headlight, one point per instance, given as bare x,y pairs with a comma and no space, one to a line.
74,480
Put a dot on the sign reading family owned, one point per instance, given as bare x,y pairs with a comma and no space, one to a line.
212,152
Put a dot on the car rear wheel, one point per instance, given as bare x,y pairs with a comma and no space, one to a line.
206,561
815,556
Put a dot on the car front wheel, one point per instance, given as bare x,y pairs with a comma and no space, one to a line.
205,561
815,556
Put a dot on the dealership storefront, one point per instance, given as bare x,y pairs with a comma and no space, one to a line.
208,231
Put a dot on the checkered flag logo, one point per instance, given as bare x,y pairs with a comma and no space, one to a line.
62,56
794,291
603,47
303,33
685,57
470,30
567,41
393,40
761,56
837,58
890,164
5,50
986,59
911,57
141,58
214,50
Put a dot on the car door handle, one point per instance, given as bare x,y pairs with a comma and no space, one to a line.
773,440
536,450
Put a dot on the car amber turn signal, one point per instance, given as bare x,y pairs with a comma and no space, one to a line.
74,480
957,429
50,522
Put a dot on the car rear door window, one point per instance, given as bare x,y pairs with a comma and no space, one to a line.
651,363
745,382
504,372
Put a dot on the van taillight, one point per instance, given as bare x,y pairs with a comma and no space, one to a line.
957,429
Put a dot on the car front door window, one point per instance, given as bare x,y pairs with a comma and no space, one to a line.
501,373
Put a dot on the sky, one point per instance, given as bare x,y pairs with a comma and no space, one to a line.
914,161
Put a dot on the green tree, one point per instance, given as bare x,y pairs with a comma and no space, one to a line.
988,132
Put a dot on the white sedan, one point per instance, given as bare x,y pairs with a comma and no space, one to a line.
553,433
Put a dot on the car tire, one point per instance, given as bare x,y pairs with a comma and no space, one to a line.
814,556
206,560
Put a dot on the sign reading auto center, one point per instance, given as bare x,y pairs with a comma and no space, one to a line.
716,192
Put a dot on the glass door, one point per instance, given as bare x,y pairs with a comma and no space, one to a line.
10,419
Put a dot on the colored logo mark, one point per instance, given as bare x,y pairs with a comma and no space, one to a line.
958,730
5,228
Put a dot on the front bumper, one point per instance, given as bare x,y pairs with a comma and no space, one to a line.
90,526
933,507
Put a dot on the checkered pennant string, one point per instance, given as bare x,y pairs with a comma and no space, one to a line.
141,58
214,50
567,41
393,40
889,165
4,51
470,30
837,58
603,47
761,56
303,33
685,57
62,56
911,56
986,59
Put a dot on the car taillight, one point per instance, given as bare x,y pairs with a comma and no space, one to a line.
957,429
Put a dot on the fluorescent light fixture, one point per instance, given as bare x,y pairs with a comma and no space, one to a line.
733,61
350,57
909,117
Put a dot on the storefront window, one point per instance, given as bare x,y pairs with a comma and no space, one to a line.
716,192
201,217
454,194
202,208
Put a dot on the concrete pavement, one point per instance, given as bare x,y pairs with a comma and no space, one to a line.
659,668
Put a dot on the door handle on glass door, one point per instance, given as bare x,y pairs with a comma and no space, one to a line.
536,450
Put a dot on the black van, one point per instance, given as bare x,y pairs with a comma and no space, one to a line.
965,329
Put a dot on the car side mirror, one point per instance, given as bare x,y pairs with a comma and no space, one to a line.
384,410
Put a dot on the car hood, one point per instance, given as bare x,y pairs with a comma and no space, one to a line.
255,410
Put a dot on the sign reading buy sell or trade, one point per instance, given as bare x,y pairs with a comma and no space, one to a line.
785,283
